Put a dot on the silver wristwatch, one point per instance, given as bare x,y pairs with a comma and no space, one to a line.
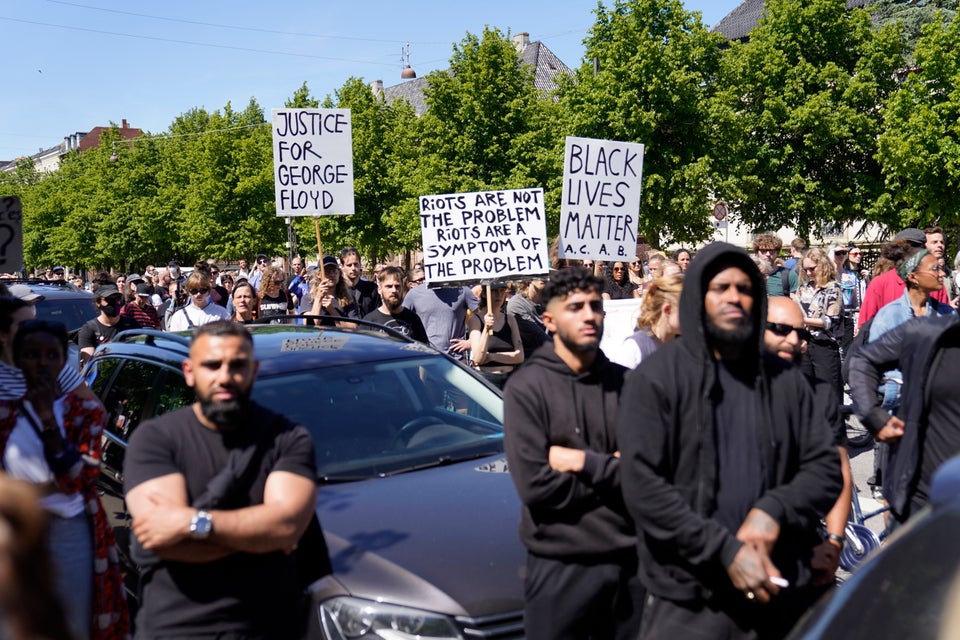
201,525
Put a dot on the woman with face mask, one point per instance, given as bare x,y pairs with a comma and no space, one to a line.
109,301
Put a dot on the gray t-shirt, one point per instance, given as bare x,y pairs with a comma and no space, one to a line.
442,311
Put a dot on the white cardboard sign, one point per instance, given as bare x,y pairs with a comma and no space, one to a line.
600,209
468,237
313,162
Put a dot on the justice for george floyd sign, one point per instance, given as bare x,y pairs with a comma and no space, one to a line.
599,213
468,237
313,162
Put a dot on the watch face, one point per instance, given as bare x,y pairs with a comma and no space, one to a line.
201,525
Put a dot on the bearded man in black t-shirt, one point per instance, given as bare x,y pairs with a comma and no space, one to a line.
391,313
221,492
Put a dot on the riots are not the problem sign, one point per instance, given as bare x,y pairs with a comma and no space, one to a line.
468,237
600,206
313,162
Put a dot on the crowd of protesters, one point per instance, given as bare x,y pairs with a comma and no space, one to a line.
652,502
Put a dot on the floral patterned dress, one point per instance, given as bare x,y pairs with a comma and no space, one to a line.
83,422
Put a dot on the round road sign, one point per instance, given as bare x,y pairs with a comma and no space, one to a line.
720,211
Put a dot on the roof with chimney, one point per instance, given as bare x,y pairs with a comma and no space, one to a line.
545,63
738,24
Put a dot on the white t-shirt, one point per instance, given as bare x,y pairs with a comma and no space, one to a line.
197,317
23,459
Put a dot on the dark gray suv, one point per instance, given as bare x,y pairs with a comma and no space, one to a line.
419,513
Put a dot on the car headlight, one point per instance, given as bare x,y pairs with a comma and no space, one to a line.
347,618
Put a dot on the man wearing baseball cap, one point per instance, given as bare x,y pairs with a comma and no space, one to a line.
141,309
108,300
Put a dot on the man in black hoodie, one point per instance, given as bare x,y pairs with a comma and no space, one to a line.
560,411
727,468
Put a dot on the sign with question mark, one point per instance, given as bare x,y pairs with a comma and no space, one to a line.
11,234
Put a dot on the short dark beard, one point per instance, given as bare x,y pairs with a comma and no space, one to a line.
228,416
726,339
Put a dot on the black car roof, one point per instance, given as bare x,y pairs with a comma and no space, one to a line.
279,348
52,291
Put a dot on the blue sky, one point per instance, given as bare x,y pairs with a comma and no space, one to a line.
72,65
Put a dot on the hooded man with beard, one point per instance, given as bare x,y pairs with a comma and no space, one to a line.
220,492
727,466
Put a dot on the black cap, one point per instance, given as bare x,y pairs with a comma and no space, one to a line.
106,290
912,235
144,289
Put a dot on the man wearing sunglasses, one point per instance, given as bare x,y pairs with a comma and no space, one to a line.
199,310
780,280
262,263
786,337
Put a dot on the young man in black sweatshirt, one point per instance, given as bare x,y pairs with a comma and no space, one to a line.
560,412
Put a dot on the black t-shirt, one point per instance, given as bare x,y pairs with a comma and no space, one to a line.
941,439
737,424
244,592
275,305
93,334
366,296
405,321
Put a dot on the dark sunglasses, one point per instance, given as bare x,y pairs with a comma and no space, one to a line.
203,290
261,262
420,281
783,330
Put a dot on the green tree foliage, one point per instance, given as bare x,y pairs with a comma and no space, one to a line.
920,146
647,77
797,111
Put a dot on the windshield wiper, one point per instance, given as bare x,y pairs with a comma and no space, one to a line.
441,461
322,479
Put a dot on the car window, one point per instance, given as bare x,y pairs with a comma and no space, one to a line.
127,398
99,374
172,393
71,312
379,418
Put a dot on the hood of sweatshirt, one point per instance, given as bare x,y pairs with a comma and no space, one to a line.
708,262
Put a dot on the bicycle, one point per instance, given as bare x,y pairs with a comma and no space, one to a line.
859,539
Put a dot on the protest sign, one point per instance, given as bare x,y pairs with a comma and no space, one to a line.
11,234
619,322
313,162
468,237
599,213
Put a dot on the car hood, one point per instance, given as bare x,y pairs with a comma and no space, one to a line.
443,539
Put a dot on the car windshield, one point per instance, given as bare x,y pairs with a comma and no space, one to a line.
71,312
381,418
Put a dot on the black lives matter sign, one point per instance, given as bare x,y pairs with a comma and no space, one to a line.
600,206
468,237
